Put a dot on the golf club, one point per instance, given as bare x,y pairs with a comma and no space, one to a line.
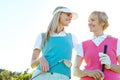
103,66
65,61
105,51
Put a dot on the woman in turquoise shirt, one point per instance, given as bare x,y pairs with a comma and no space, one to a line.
56,45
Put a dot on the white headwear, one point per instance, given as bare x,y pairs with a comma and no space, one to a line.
66,10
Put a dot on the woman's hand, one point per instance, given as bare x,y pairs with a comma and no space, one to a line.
96,74
105,59
44,65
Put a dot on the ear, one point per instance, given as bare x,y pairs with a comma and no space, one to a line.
102,23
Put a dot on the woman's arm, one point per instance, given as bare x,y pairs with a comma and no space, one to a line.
77,63
96,74
35,58
44,65
36,51
114,67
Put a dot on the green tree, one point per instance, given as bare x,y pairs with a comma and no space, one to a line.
9,75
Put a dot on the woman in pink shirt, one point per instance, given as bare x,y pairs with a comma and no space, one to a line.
93,52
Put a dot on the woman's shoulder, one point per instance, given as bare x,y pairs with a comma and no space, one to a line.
112,37
41,34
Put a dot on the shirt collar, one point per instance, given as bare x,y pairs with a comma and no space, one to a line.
100,37
62,33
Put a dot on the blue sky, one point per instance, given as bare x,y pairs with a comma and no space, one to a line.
22,20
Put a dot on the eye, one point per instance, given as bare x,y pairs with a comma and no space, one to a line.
92,19
68,14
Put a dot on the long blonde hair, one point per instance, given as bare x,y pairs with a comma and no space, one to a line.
53,27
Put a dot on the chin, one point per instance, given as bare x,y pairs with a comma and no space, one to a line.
66,25
91,30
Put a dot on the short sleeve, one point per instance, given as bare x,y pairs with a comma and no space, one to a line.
79,50
38,42
74,40
118,48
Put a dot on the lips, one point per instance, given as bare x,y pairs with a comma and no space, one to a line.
68,20
91,25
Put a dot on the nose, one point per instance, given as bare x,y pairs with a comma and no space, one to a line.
89,23
70,17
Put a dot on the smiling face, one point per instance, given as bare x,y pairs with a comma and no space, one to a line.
65,19
98,22
94,24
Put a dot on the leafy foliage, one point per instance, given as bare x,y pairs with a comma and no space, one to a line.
9,75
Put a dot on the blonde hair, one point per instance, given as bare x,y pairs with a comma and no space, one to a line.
53,27
102,17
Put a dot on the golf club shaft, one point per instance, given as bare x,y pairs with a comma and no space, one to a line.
50,68
105,51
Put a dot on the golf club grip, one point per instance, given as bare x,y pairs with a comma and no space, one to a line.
105,51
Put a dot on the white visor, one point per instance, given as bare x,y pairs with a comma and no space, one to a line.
66,10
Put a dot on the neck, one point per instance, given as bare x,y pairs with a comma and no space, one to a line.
59,29
98,34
